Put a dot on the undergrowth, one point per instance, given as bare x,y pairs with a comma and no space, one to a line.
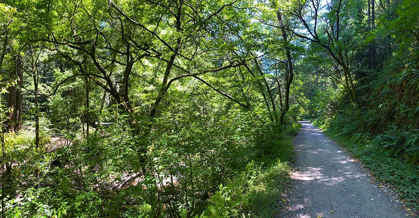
239,173
256,191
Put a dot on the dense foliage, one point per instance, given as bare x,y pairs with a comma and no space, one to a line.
143,108
382,129
185,108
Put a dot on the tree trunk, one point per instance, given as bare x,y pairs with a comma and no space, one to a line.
279,86
102,106
269,91
290,68
16,97
388,41
369,14
87,108
372,14
373,50
169,65
262,92
3,166
350,86
4,49
163,86
35,82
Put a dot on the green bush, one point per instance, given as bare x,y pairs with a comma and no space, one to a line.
255,191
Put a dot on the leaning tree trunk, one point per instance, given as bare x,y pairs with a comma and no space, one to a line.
268,89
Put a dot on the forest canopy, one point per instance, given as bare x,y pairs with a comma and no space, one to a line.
177,108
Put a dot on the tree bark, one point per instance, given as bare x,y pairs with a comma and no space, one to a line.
35,82
267,89
372,49
87,108
163,86
3,166
16,97
279,86
169,65
5,42
262,92
289,69
369,15
372,14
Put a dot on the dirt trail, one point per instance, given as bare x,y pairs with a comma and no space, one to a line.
328,183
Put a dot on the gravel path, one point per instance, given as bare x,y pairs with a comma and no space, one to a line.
328,183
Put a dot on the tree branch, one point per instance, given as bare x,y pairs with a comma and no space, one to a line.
70,77
222,93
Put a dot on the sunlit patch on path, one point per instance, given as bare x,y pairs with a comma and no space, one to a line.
328,183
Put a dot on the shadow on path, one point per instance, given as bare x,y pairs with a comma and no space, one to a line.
328,183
